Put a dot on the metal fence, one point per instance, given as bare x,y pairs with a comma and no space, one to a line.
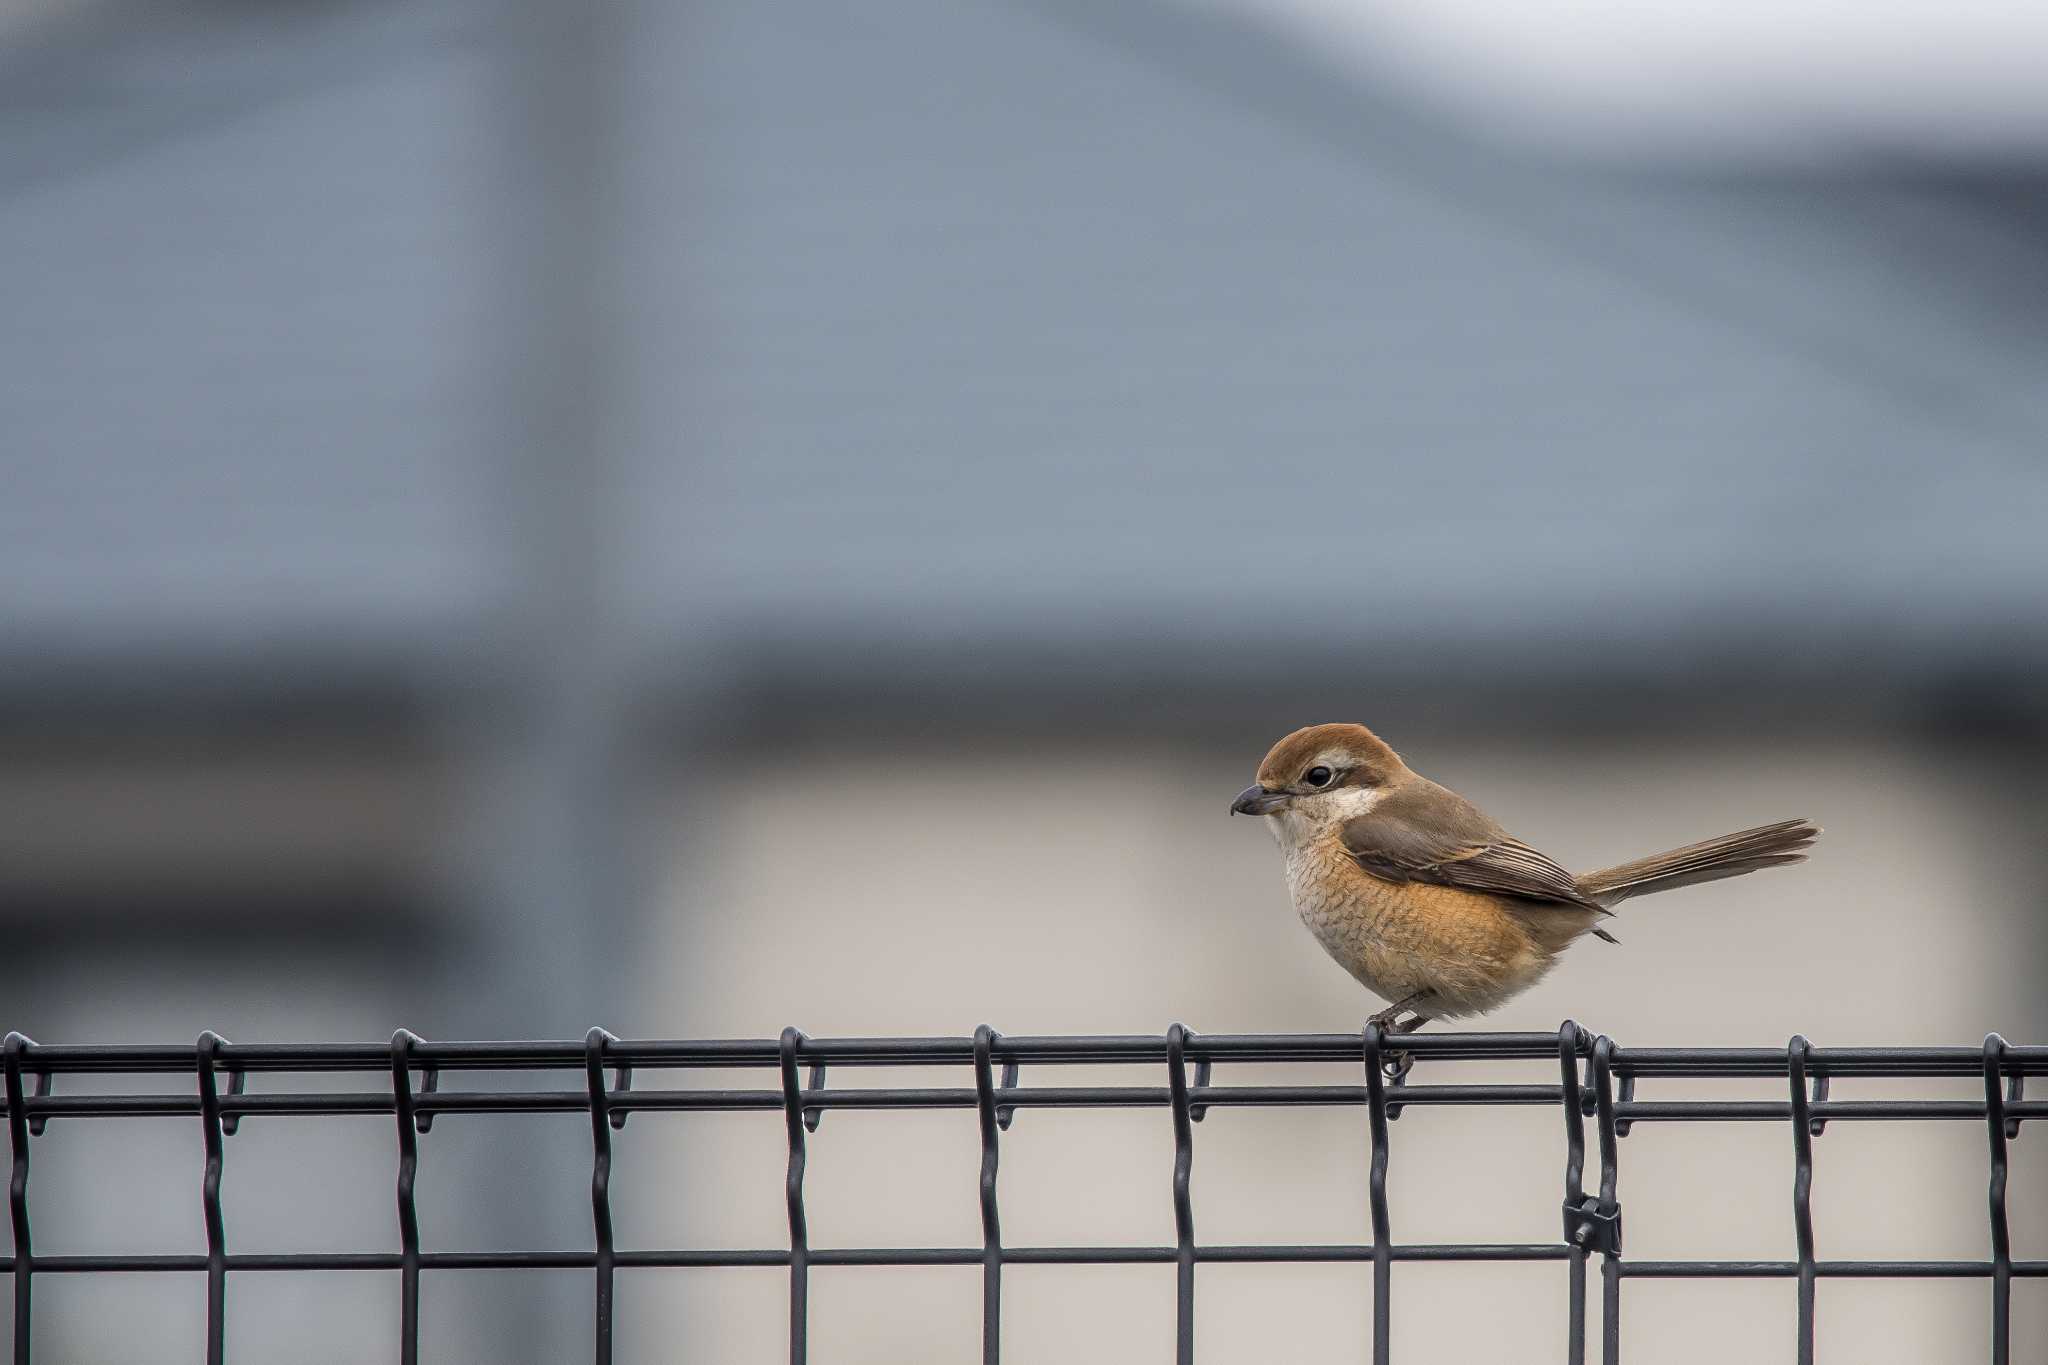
1597,1081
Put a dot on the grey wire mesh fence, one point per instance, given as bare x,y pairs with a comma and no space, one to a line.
1596,1081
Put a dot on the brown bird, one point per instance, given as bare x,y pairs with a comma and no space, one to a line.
1430,903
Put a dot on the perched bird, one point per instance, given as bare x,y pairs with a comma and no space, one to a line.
1430,903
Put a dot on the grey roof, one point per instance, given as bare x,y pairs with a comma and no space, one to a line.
990,321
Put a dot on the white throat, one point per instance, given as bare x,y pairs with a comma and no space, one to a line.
1311,818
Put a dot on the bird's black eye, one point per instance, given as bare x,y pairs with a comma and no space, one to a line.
1318,776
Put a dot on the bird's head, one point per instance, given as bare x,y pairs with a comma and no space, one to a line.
1321,774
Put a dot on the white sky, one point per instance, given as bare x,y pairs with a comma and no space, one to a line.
1752,79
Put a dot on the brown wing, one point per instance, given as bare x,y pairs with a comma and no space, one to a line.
1423,833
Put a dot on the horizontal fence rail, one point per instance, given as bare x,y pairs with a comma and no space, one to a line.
1595,1080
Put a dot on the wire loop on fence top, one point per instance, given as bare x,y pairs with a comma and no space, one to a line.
1593,1222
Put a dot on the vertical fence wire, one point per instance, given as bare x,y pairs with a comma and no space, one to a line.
991,1221
2001,1233
1607,1211
1376,1195
1183,1201
1796,1053
17,1191
207,1050
402,1043
1570,1037
600,1189
793,1193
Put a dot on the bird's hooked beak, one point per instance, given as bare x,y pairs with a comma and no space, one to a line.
1259,801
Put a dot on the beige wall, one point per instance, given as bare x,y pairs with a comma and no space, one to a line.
1048,892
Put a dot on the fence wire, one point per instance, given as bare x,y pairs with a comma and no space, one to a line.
1597,1081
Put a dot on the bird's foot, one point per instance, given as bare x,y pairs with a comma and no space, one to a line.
1397,1065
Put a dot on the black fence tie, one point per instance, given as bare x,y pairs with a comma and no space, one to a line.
1817,1125
402,1044
1204,1071
238,1085
1376,1195
1183,1201
2015,1094
1006,1112
622,1081
207,1053
1796,1053
46,1083
601,1129
17,1189
991,1221
430,1084
2001,1234
1570,1040
1622,1127
793,1190
814,1114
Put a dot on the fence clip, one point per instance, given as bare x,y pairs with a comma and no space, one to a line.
46,1081
1586,1226
1203,1071
812,1112
1006,1112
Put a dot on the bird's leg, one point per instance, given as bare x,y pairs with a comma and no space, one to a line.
1385,1018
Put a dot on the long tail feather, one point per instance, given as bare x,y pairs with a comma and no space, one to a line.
1731,855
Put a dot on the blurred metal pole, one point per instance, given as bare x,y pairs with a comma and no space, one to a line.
548,865
542,732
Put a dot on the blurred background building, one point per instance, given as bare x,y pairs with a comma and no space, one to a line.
704,517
